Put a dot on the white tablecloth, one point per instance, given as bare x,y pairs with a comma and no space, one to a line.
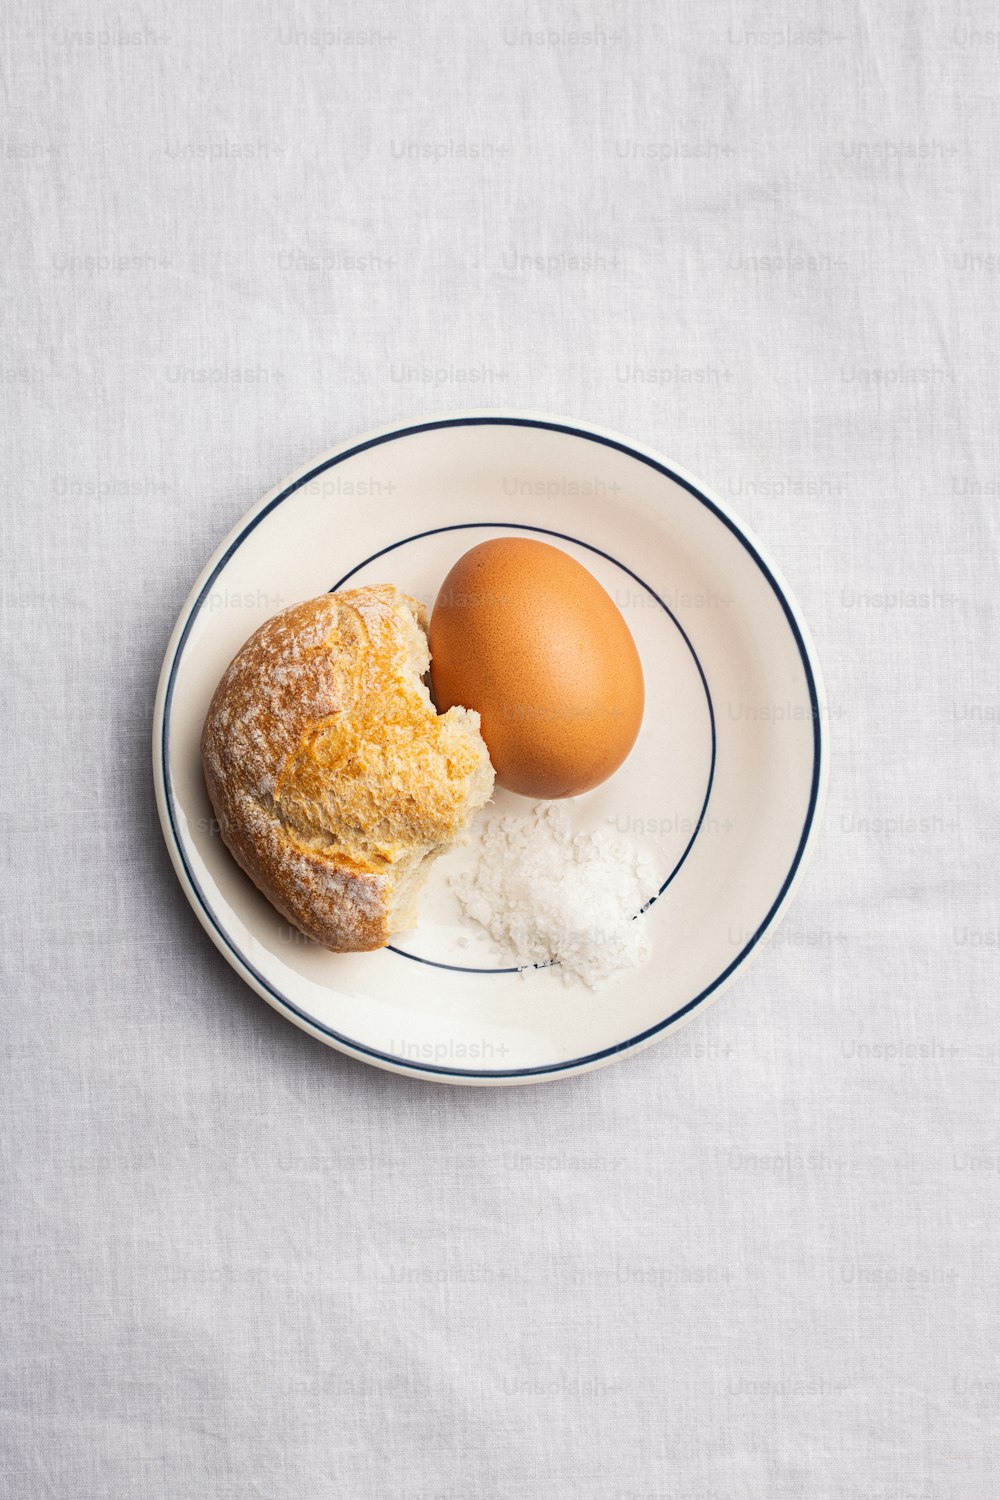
757,1260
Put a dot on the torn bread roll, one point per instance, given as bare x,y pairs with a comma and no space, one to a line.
334,780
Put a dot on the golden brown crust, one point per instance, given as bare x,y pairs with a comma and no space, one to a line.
330,773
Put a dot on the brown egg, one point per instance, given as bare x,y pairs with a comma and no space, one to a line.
523,633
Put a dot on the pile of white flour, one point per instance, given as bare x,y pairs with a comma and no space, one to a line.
550,895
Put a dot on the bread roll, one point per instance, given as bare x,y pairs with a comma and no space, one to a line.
334,781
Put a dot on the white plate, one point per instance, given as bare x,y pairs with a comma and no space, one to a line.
724,785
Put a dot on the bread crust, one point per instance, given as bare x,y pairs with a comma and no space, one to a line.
331,775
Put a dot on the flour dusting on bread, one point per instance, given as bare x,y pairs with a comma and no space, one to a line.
334,780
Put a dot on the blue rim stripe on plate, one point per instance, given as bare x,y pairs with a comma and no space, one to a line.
423,1068
598,552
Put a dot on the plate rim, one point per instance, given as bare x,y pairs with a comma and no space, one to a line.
572,427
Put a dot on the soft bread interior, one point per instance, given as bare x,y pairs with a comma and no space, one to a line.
410,873
461,726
